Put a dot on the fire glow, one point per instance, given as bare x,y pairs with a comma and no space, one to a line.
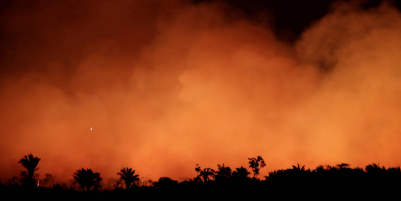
169,84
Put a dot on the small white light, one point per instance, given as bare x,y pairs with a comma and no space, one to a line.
91,128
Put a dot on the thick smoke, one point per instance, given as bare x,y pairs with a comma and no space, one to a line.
166,85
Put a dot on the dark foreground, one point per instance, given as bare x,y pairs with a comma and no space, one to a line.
324,183
252,190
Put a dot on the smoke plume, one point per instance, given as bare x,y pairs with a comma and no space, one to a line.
166,85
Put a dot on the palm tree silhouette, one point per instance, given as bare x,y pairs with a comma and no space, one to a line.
86,178
129,176
256,164
29,162
205,173
297,174
197,179
298,169
198,169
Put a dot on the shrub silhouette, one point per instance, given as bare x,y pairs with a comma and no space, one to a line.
165,183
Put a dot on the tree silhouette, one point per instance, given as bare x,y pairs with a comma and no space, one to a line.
343,166
359,169
13,181
59,187
241,173
297,175
394,174
298,169
223,172
198,179
256,164
48,180
129,176
119,183
165,183
394,170
206,173
29,162
86,178
374,169
198,169
319,169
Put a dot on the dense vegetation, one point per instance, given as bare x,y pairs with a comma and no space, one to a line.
339,181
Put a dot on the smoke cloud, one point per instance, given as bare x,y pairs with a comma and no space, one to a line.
166,85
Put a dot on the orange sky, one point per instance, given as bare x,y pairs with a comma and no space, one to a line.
166,85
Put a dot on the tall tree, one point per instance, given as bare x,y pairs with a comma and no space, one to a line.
87,178
256,164
129,176
30,163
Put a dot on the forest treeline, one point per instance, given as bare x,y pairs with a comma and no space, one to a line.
222,181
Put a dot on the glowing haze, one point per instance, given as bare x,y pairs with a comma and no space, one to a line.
166,85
